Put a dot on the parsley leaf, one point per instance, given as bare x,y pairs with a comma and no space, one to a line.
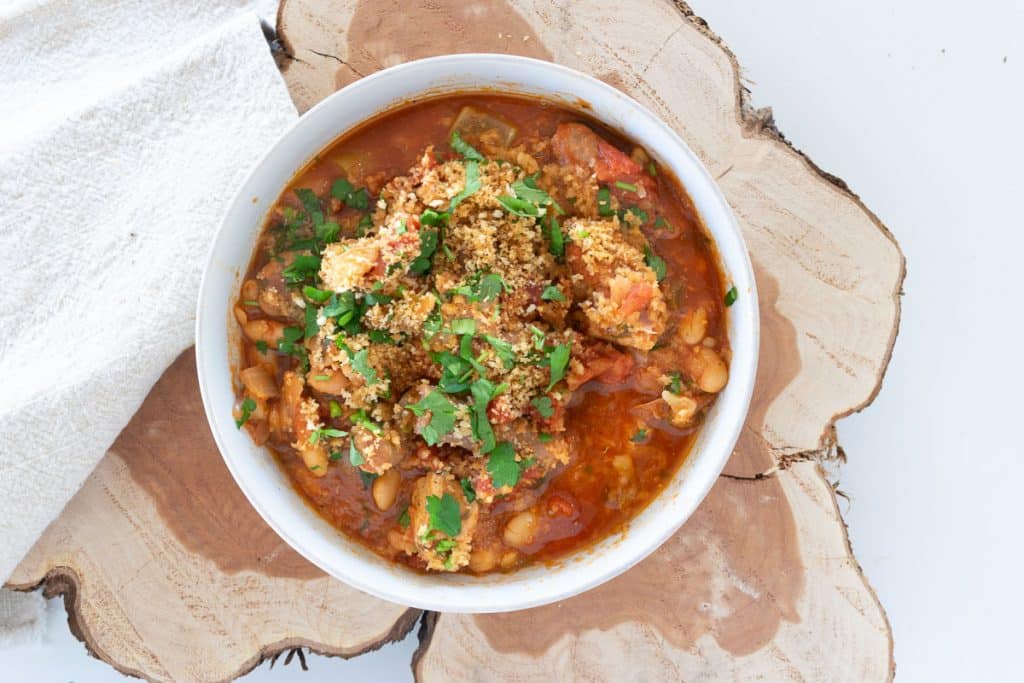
311,203
261,346
467,490
445,515
464,148
428,246
335,408
463,326
543,406
316,295
473,184
442,416
303,268
403,519
326,433
354,456
519,207
504,350
655,263
362,365
731,296
312,326
502,465
433,218
559,361
363,420
248,405
604,202
675,384
640,435
527,189
346,192
556,238
552,293
483,391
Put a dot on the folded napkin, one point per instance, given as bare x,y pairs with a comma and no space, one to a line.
127,128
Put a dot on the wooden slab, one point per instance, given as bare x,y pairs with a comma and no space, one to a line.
761,582
169,574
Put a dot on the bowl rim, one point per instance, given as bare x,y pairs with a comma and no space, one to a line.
699,471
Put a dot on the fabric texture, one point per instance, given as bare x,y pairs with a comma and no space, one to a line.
127,128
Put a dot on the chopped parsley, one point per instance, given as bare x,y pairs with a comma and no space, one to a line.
444,515
483,392
544,437
428,246
326,433
261,346
482,287
504,349
552,293
467,490
559,361
288,343
442,416
519,207
502,465
675,383
463,326
604,202
655,263
473,184
403,519
335,408
543,406
347,193
304,268
363,420
311,203
556,238
640,435
731,296
354,456
316,295
433,218
361,364
247,407
464,148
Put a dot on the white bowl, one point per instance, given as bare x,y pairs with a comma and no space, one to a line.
266,485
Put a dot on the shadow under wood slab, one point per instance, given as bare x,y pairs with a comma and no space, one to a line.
169,573
761,582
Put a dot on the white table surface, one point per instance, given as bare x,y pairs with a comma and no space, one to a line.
918,106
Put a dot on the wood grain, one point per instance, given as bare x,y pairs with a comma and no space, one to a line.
170,575
761,581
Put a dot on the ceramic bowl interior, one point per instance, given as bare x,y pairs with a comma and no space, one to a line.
264,482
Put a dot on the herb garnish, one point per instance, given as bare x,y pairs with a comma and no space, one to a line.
354,456
344,191
428,246
552,293
640,435
604,202
247,407
628,187
467,490
731,296
444,515
558,360
675,384
543,406
473,184
502,465
655,263
464,148
326,433
442,416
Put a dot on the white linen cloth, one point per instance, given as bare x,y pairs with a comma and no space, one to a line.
125,129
